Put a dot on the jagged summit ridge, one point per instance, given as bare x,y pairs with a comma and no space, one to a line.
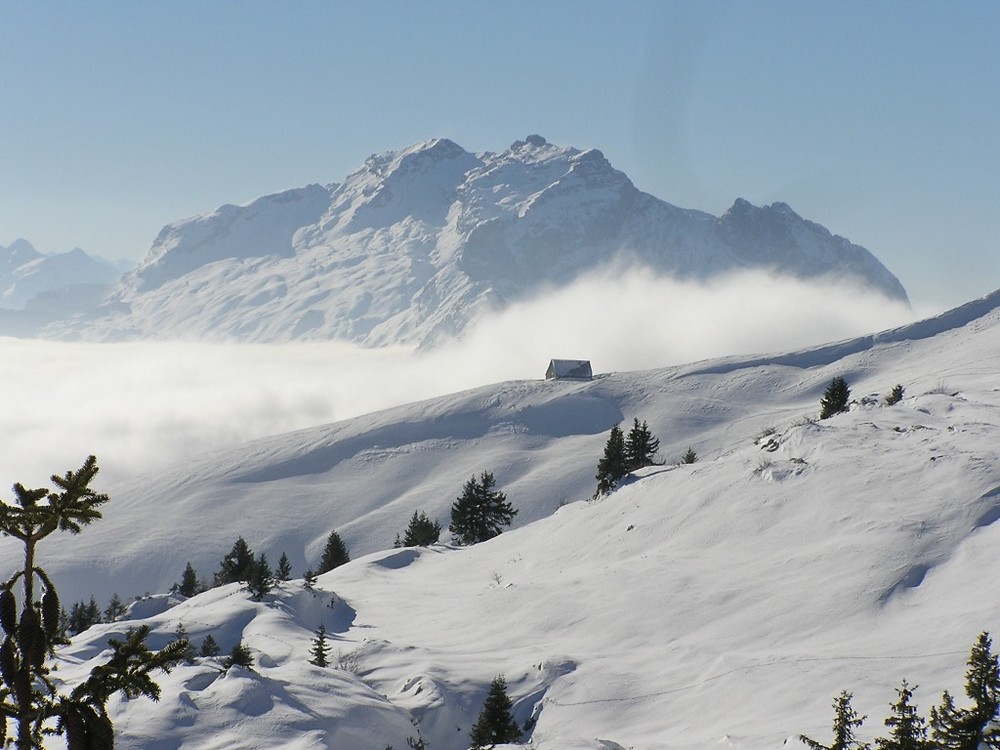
416,243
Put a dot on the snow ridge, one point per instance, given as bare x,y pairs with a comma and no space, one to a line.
417,243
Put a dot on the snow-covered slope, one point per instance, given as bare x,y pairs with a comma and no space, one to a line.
719,603
417,243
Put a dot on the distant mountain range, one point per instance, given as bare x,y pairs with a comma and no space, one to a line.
37,288
419,242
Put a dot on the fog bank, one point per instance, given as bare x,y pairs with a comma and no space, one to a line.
142,406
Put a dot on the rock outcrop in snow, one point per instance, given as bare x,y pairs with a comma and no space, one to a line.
417,243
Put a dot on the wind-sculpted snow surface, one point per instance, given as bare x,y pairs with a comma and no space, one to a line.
419,243
723,602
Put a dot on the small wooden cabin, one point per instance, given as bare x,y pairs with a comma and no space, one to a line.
572,369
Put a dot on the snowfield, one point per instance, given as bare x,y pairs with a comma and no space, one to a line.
717,604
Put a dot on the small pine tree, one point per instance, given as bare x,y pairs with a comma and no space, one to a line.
334,554
967,728
209,647
188,585
421,532
239,656
907,728
115,609
613,465
320,648
835,398
690,457
640,446
308,580
495,725
260,579
480,512
185,648
845,721
895,396
284,571
236,565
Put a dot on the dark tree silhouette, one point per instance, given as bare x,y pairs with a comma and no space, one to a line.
834,399
614,464
495,725
421,532
27,695
480,512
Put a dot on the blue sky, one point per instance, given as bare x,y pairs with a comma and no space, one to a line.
879,120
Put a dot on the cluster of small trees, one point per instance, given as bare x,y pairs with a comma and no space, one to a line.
623,454
949,727
836,397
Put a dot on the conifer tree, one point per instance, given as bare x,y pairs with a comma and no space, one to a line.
966,728
115,609
27,695
209,647
421,532
640,446
613,465
334,554
895,396
239,656
185,647
260,579
236,565
308,580
480,512
689,457
320,648
845,721
284,571
189,585
835,398
495,725
907,728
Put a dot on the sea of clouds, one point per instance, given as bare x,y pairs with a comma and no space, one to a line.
144,406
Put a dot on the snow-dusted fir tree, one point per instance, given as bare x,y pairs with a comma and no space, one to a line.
334,554
834,398
845,721
640,446
189,585
420,532
320,648
613,465
907,728
495,725
480,512
236,565
284,571
968,728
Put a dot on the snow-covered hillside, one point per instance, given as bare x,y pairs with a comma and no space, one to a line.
418,243
721,603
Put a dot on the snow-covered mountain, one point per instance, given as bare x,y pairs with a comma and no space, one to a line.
722,603
63,283
417,243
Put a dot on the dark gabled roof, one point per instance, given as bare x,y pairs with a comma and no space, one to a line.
569,368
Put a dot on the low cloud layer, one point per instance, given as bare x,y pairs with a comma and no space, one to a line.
142,406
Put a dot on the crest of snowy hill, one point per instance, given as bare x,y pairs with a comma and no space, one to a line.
721,603
417,243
